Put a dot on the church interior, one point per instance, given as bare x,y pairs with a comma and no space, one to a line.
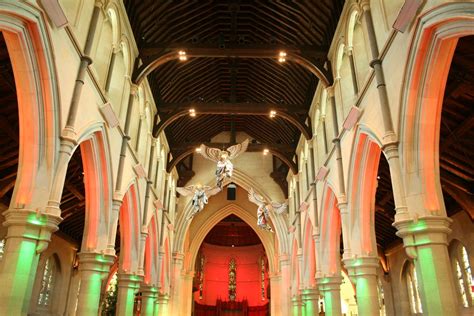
236,157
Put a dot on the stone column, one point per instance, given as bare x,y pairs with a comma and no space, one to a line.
363,270
425,241
29,234
149,295
127,287
285,284
310,298
330,287
93,269
161,306
297,305
114,216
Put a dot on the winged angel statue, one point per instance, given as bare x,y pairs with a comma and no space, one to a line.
223,158
264,207
201,195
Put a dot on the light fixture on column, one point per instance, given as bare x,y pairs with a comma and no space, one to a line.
182,55
273,113
192,112
266,151
198,149
282,56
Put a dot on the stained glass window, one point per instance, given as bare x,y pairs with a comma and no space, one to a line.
2,248
463,275
47,283
413,289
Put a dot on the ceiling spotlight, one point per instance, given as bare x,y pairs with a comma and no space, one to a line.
182,55
282,56
266,151
192,112
273,113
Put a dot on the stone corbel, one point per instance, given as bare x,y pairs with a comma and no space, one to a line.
421,231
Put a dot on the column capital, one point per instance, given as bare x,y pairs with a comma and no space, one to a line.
309,294
95,261
129,280
423,231
329,283
162,298
296,300
330,90
359,266
31,224
365,5
148,290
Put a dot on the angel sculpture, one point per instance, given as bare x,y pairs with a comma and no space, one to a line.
200,197
263,208
223,158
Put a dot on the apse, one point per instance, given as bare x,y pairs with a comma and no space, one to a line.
231,271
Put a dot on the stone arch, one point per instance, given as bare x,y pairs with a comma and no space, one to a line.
165,273
26,37
295,276
330,231
114,20
246,183
362,186
215,218
429,61
130,225
309,259
151,253
98,187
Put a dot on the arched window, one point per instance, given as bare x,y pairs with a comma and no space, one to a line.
413,288
381,295
463,275
47,283
2,248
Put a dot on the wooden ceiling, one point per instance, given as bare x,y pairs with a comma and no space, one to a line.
232,232
256,26
456,148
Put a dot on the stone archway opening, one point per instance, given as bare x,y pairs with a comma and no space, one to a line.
231,271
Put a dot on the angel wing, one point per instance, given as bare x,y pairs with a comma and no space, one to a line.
210,191
255,198
279,208
238,149
213,154
186,191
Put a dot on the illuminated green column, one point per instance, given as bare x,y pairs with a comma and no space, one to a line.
93,269
149,295
330,287
310,298
28,235
363,271
297,305
127,287
161,305
425,241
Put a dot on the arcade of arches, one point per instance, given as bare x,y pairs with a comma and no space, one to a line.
360,117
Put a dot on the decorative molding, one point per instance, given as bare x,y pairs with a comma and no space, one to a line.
109,115
139,171
352,118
